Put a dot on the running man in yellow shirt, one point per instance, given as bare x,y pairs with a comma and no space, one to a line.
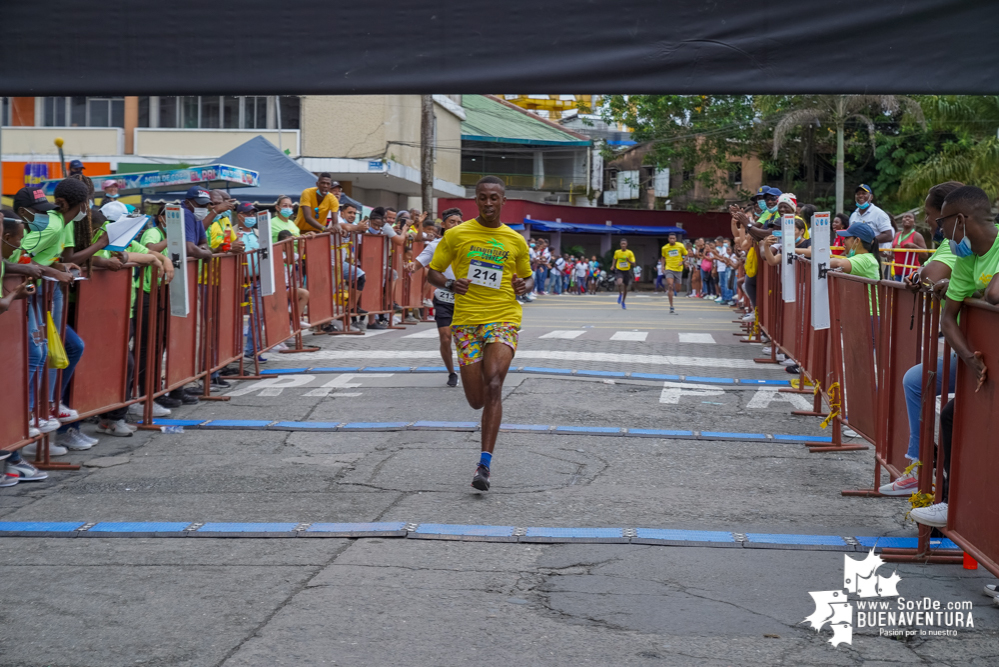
673,254
624,261
492,267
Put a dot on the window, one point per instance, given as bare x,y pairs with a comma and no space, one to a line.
4,111
255,113
83,111
735,173
290,112
219,112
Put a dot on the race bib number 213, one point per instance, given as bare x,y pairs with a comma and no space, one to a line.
485,274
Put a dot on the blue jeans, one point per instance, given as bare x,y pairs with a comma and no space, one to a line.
726,291
255,312
557,281
708,283
73,345
912,385
37,350
539,279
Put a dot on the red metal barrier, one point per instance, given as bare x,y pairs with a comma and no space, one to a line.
277,320
181,336
853,340
101,319
973,507
14,388
318,269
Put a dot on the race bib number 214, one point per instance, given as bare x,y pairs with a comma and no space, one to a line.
485,274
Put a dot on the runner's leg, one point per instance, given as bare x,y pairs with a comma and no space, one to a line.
444,333
669,289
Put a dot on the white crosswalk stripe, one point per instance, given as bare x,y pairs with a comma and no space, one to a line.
696,338
639,336
426,333
559,333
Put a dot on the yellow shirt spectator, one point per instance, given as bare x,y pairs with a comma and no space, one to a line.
320,208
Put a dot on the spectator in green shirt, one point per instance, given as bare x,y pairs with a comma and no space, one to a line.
282,221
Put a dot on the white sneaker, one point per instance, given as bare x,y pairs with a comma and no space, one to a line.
990,591
87,438
766,350
850,433
67,414
279,347
45,425
9,479
116,428
749,317
906,485
789,362
428,303
26,472
33,432
71,440
137,410
781,357
54,449
934,515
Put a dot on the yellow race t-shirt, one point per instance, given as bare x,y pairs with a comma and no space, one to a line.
488,256
673,254
623,260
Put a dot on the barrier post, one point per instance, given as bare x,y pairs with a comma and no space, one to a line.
14,432
345,296
209,313
43,460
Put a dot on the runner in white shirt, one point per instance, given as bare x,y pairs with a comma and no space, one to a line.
443,299
873,217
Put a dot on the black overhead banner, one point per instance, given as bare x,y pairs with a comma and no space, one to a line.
245,47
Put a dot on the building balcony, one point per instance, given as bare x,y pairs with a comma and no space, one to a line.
570,184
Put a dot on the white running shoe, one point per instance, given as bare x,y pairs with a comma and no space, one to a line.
906,485
137,409
33,432
45,425
54,449
86,438
781,357
850,433
67,414
789,362
279,347
26,472
749,317
766,350
72,441
934,515
116,428
8,479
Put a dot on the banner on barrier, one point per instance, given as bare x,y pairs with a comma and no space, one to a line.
787,245
177,249
821,241
264,254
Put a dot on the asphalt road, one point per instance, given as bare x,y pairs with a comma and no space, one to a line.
381,600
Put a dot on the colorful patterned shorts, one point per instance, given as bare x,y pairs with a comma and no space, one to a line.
472,339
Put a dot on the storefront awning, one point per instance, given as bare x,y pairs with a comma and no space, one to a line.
211,176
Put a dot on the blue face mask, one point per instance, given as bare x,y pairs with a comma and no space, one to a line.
39,222
113,196
286,212
962,248
864,206
250,221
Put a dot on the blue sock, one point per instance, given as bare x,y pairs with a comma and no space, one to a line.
486,459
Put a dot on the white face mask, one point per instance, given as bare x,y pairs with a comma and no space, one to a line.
81,215
200,213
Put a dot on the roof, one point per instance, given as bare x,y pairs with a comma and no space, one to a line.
488,118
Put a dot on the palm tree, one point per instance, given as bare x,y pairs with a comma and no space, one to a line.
972,158
838,110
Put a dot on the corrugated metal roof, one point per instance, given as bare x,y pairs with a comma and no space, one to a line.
488,119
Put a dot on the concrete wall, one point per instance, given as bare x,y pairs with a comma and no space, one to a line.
369,126
205,143
79,141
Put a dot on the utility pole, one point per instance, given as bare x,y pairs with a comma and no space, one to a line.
427,152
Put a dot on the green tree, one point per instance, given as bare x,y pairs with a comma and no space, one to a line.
697,133
838,110
968,149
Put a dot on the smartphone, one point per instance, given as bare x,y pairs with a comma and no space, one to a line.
74,272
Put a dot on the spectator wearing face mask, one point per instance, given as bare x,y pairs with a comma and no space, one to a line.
872,216
282,221
110,192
